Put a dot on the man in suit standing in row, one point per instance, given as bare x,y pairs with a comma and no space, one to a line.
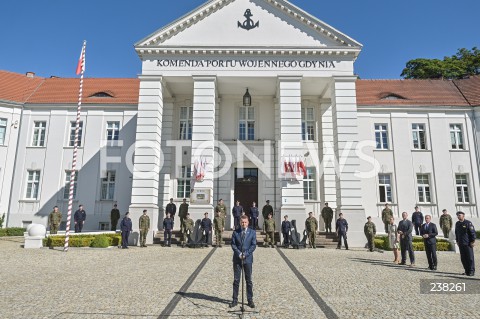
405,228
429,233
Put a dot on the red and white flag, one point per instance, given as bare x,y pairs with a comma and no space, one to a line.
81,60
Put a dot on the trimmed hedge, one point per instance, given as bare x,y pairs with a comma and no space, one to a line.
14,231
83,240
382,243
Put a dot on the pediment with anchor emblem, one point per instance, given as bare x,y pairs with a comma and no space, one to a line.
261,25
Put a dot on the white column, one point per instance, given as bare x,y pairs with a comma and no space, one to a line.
327,160
345,128
291,144
147,161
203,143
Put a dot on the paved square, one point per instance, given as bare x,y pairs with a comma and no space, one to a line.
159,282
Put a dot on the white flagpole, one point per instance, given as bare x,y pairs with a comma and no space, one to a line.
75,150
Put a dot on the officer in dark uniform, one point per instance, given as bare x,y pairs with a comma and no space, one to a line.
167,230
79,219
286,229
126,228
342,228
254,216
417,220
171,209
206,225
237,211
465,235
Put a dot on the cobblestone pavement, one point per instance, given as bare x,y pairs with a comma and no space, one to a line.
157,282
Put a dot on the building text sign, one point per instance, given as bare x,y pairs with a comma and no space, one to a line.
245,63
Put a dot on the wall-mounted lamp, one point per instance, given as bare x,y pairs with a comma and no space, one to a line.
247,99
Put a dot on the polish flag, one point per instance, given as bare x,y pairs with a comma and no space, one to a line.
81,61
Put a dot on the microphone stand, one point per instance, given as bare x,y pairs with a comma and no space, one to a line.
242,308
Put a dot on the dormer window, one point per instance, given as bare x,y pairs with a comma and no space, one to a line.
101,94
392,96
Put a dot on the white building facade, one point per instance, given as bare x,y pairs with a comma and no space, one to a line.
190,134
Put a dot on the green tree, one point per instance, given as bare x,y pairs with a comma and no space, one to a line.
464,63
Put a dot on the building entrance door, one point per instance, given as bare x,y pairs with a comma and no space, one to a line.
246,187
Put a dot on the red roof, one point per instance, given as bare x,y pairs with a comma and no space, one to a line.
409,92
65,90
471,89
16,87
37,90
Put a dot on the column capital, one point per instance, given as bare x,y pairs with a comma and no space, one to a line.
153,78
197,78
344,78
293,78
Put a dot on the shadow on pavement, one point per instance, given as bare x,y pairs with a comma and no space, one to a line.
416,269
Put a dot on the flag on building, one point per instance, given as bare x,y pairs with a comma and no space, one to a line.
81,61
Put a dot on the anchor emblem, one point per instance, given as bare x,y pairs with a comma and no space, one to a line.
248,24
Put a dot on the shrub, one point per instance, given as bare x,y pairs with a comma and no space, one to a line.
381,242
2,219
81,240
14,231
101,241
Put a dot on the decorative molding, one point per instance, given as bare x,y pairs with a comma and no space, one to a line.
152,44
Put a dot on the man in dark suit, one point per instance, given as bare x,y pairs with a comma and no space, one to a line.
429,233
405,228
244,242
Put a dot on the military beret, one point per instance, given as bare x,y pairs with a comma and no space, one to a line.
369,217
458,213
268,201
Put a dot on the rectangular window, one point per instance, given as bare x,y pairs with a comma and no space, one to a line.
113,131
308,124
66,192
103,226
108,186
381,136
456,136
73,126
310,184
461,184
33,184
186,123
3,130
423,185
39,128
247,123
183,183
418,134
385,188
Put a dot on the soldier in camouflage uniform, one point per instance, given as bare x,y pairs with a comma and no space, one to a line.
221,208
144,225
54,220
446,223
219,225
188,225
327,216
386,215
182,213
269,229
311,226
370,231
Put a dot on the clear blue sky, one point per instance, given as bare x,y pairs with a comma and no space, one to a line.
45,36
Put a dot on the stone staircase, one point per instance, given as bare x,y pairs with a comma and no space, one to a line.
322,240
